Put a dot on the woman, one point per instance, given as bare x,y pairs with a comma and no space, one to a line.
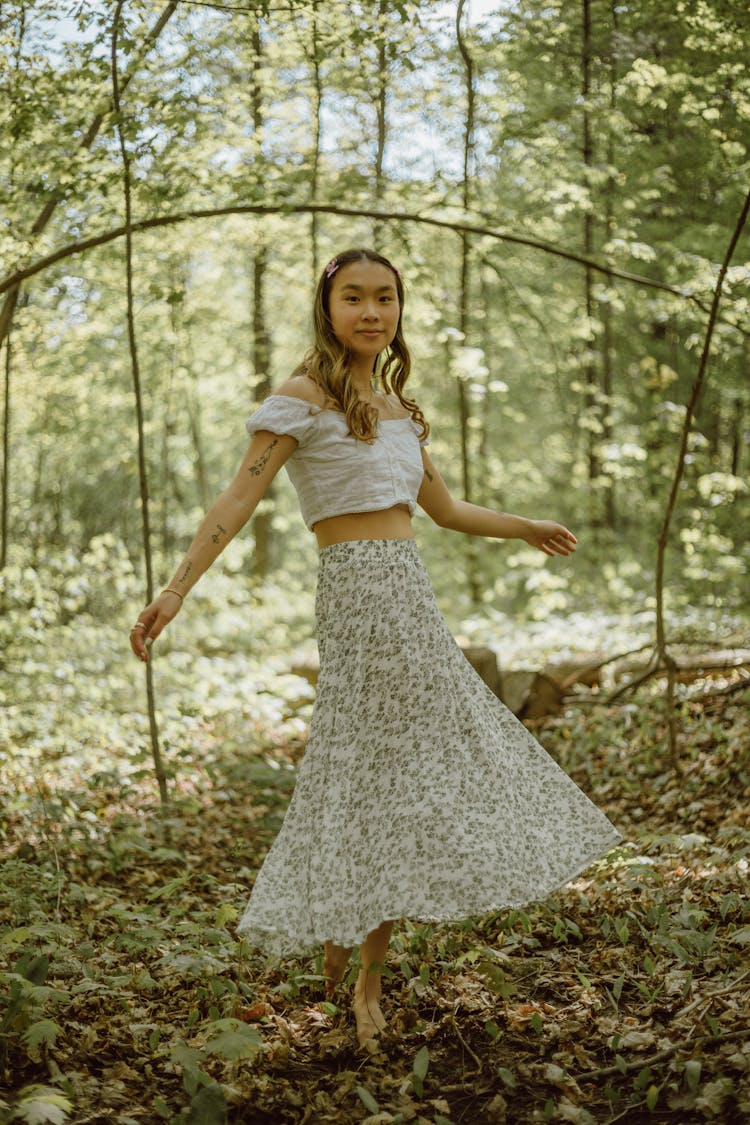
420,794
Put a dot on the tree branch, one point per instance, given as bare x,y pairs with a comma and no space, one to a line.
661,644
44,216
672,1049
84,244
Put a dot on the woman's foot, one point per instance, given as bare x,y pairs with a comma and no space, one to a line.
366,1005
336,960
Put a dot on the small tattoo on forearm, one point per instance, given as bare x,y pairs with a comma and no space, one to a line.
186,571
218,533
429,475
256,469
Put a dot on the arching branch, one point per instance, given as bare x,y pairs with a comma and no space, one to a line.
84,244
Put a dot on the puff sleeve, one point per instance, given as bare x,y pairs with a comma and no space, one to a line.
423,441
284,414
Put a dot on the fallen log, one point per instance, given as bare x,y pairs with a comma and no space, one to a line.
531,694
528,692
692,666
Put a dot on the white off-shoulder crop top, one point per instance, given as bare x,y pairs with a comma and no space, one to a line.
335,474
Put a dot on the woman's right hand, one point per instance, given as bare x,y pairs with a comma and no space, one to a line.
152,620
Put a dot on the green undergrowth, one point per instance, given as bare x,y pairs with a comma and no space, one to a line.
126,997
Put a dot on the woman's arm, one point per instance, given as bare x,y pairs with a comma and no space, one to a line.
550,537
266,454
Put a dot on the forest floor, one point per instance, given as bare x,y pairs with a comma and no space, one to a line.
623,998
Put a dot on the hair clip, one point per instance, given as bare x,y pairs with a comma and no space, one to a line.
331,268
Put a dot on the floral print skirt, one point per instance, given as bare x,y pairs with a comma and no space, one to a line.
420,794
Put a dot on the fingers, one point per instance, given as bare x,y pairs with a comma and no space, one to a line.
556,547
151,621
564,543
138,635
143,629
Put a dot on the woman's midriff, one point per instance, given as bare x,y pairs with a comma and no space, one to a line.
391,523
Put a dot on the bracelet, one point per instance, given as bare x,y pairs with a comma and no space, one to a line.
170,590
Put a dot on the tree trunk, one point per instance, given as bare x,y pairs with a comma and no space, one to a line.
316,106
159,770
7,397
738,415
262,520
380,107
605,312
464,296
261,345
6,457
592,409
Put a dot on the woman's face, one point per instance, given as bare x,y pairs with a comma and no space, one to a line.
363,307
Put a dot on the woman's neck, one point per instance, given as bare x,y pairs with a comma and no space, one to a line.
360,377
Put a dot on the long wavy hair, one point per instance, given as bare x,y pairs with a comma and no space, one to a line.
328,361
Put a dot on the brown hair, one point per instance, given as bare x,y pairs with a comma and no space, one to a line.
327,361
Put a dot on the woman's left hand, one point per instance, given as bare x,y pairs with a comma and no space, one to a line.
551,538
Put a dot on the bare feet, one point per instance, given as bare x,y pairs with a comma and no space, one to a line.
366,1005
336,960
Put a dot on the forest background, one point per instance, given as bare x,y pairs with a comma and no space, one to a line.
562,186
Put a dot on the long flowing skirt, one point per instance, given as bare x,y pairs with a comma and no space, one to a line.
420,794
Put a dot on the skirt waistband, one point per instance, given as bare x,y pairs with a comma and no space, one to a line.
363,551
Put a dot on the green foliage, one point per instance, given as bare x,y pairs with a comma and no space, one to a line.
26,997
40,1105
144,951
419,1070
367,1100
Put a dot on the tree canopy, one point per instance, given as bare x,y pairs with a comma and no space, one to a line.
617,137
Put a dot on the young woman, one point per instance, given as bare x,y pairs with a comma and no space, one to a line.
420,794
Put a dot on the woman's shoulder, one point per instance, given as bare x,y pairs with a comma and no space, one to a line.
302,387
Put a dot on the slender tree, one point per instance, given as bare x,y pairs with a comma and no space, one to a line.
605,307
260,332
6,457
117,88
591,373
314,55
7,397
464,292
665,657
381,86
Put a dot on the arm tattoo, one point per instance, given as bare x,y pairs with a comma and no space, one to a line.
218,533
429,475
186,571
256,469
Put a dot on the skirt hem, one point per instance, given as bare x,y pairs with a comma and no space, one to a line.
268,940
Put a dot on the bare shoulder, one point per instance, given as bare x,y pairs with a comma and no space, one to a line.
302,386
